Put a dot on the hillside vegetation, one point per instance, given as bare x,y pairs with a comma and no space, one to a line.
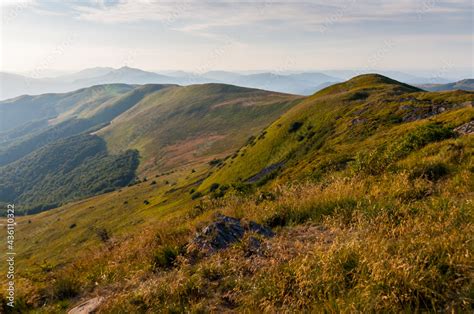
182,125
69,169
367,185
322,133
168,125
24,109
82,115
467,84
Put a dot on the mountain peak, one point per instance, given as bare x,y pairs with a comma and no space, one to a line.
373,78
367,81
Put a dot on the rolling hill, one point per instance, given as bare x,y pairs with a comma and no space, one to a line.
65,170
189,124
27,109
467,84
326,127
300,83
169,126
366,185
70,114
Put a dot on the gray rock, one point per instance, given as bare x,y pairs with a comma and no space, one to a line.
357,121
89,306
466,128
223,232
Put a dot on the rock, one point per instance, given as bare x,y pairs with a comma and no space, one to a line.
223,232
87,307
467,104
466,128
265,171
358,121
413,113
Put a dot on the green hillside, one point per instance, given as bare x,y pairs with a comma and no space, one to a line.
367,186
182,125
179,125
25,109
467,85
84,116
324,131
65,170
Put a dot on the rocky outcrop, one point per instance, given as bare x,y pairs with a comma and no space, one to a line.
265,171
89,306
418,113
225,231
414,113
466,128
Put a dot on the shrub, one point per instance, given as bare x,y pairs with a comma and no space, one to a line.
214,187
376,161
215,162
165,257
65,288
196,195
420,137
358,96
295,126
103,234
432,171
220,192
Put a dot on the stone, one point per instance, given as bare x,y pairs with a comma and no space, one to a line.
222,232
466,128
89,306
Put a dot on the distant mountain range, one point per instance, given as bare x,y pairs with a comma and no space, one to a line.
306,83
463,85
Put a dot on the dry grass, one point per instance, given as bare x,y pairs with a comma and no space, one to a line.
400,241
384,252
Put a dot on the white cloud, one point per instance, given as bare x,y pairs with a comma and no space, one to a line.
239,12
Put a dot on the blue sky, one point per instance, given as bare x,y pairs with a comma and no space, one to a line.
407,35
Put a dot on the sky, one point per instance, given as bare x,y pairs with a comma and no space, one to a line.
40,37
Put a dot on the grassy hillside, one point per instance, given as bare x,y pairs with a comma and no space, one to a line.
467,85
25,109
172,120
323,131
65,170
83,116
367,184
176,126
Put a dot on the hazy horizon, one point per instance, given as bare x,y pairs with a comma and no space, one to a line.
452,74
44,37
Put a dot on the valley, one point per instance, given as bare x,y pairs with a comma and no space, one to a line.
356,182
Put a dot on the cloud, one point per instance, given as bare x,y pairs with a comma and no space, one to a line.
224,13
15,3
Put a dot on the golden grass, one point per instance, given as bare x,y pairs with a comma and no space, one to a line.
396,241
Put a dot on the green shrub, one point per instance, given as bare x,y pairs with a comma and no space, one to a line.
431,171
295,126
65,288
376,161
215,162
214,187
196,195
420,137
165,257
